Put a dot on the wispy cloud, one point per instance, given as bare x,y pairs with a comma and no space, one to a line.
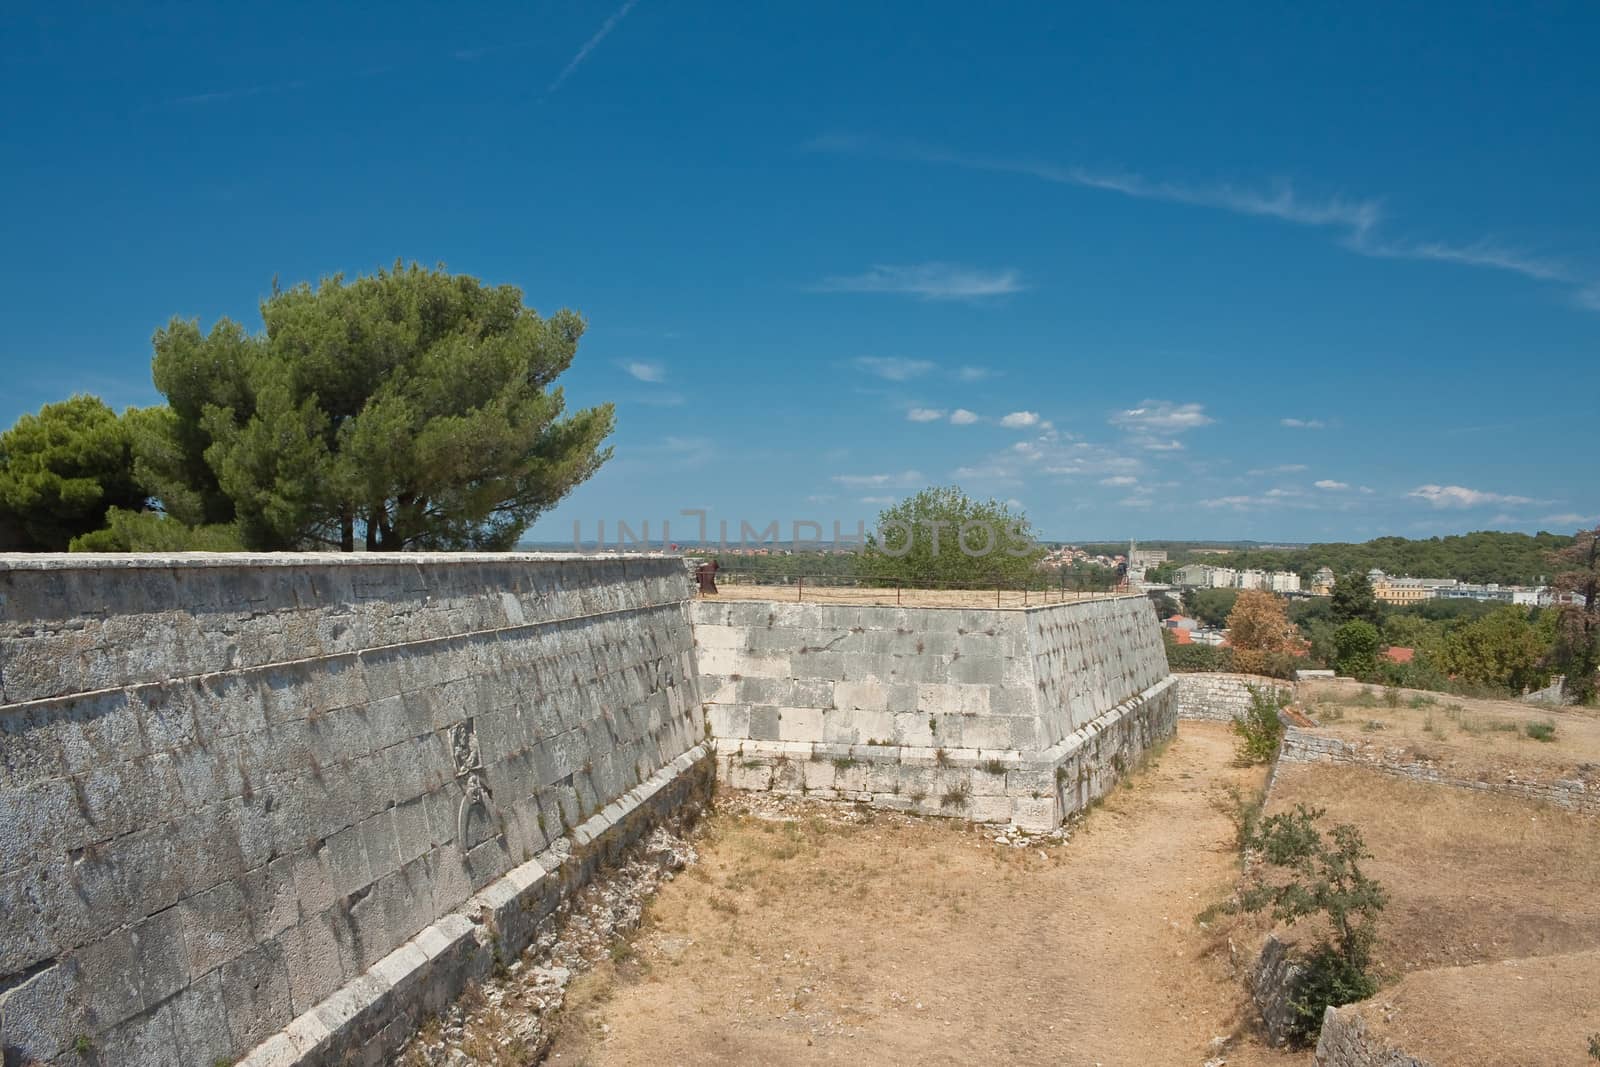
1571,518
1458,496
1162,416
892,368
925,414
1331,485
1302,424
1358,220
646,372
909,479
971,373
1119,479
589,46
1282,468
927,281
878,499
221,95
1019,419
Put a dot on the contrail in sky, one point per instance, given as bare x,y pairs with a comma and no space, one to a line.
589,45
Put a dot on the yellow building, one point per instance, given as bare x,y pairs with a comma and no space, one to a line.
1400,591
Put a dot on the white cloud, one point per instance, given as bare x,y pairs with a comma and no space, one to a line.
646,372
928,281
589,46
1330,484
1357,220
904,480
878,499
1571,518
971,373
1282,468
1457,496
1302,424
1155,444
1020,419
925,414
893,368
1119,479
963,417
1135,502
1162,416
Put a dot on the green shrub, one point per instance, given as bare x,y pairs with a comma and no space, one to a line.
1542,731
1328,981
1324,878
1259,729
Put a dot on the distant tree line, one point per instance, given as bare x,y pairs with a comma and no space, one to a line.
1481,557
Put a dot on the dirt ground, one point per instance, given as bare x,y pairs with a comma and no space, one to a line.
1474,877
913,598
1542,1013
1465,736
872,938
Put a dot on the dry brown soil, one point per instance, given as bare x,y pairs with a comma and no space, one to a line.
1474,877
1463,736
918,598
888,940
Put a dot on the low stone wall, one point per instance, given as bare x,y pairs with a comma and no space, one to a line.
1221,697
993,715
240,794
1308,746
1345,1042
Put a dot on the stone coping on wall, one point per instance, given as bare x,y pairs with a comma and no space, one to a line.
56,561
1307,746
367,1019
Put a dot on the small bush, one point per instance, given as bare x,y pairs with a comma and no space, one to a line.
1542,731
1324,879
1259,729
995,766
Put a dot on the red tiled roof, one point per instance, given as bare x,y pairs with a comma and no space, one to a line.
1400,655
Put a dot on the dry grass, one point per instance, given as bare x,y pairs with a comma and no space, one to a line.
870,938
1469,736
1531,1011
1473,877
915,598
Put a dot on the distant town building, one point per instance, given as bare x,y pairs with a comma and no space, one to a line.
1399,591
1284,582
1322,582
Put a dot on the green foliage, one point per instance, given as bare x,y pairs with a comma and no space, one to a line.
62,470
1575,641
1210,607
1503,650
151,531
919,540
1196,658
1355,649
1484,556
413,407
1303,875
1259,729
1542,731
1353,599
1328,980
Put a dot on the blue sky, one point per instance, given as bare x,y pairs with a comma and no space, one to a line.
1215,271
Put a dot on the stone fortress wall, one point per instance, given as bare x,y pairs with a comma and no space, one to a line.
995,715
1222,697
285,803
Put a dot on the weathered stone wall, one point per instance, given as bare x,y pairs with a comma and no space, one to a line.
1221,697
1345,1042
994,715
232,787
1308,746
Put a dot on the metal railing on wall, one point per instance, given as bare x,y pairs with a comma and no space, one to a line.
907,592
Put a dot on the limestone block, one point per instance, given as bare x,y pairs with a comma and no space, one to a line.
800,724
